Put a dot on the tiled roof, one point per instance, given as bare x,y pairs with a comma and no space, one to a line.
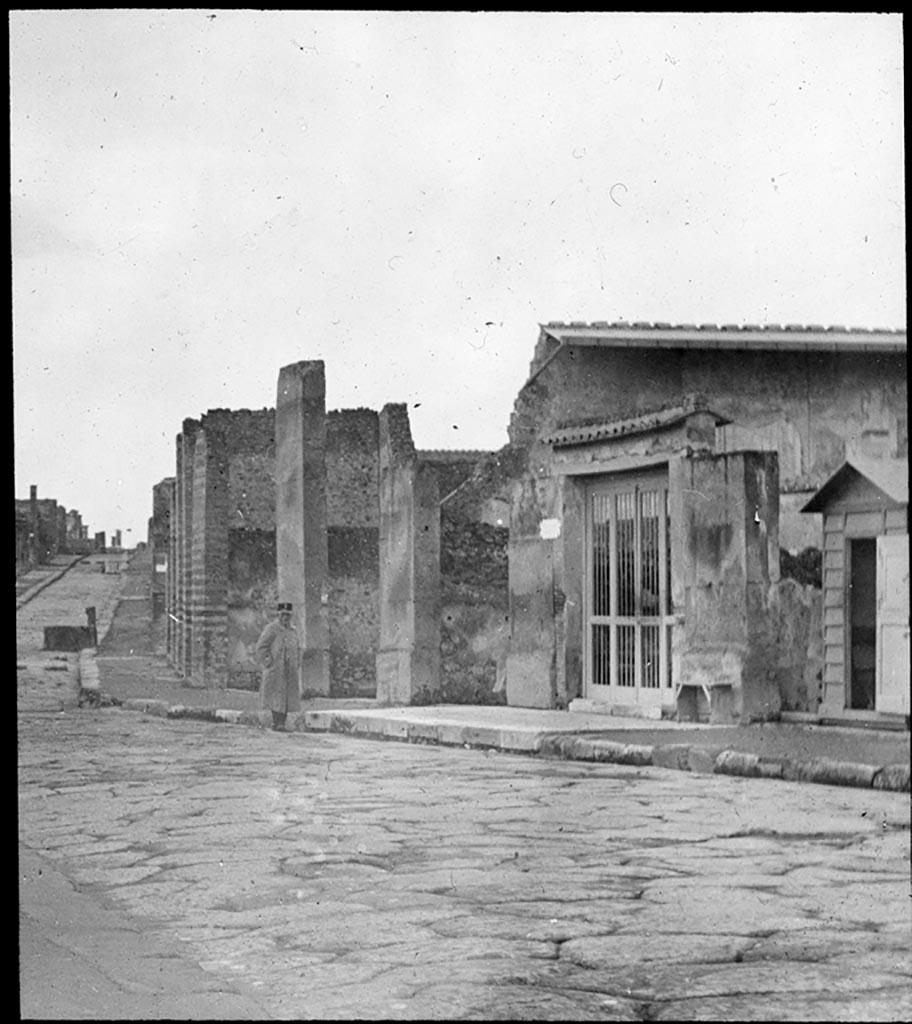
585,433
768,336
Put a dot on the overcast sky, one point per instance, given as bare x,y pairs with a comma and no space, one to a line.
201,197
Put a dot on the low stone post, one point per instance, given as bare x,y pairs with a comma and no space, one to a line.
92,624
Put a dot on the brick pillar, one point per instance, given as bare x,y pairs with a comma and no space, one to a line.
175,635
209,572
408,662
170,576
186,443
301,536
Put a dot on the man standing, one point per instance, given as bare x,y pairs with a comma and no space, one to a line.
279,652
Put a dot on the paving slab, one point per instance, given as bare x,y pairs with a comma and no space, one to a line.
83,960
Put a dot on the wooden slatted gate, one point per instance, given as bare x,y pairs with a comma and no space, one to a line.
628,614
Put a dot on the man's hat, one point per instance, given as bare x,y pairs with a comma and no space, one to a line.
286,607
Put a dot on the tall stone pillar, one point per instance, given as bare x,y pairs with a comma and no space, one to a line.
537,604
301,528
408,662
209,575
724,520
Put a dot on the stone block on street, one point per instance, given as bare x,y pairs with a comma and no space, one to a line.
770,767
832,772
318,721
637,754
703,759
608,751
199,714
228,715
735,762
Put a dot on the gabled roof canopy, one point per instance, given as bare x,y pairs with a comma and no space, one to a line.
888,476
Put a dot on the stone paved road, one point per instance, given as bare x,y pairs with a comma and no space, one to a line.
338,878
63,604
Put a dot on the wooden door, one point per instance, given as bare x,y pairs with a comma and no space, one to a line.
893,624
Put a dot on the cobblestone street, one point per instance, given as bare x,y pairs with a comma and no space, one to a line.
333,878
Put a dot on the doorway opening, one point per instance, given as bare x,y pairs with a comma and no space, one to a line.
862,621
628,591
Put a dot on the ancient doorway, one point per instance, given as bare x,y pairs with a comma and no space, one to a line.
862,621
628,613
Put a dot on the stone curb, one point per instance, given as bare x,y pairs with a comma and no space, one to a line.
34,591
567,746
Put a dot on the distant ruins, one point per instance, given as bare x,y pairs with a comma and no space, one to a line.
45,529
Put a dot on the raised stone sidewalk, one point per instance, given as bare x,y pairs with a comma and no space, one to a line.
31,583
828,755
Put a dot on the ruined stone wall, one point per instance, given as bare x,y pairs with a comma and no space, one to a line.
26,549
353,518
60,530
47,525
247,438
219,590
799,631
51,533
474,591
73,530
160,541
251,484
37,543
22,543
252,597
